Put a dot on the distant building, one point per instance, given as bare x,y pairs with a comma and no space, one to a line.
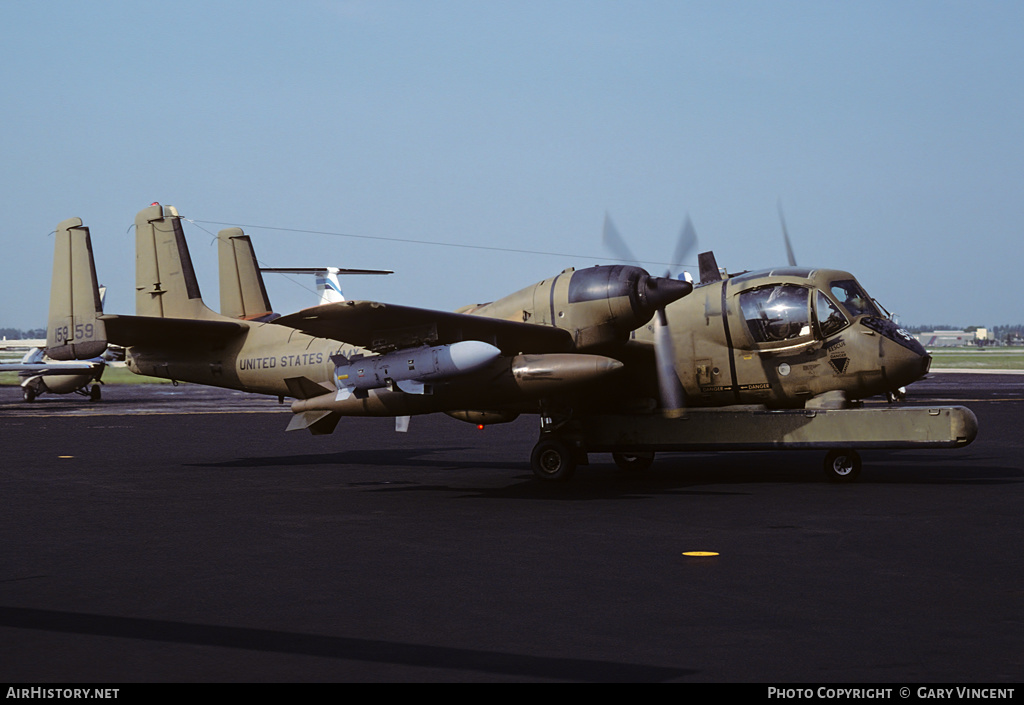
951,338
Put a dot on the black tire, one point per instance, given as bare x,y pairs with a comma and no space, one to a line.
27,394
842,465
552,460
95,394
633,462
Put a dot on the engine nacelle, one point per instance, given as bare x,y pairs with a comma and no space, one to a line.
598,305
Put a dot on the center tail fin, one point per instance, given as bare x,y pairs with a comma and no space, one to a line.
73,328
165,281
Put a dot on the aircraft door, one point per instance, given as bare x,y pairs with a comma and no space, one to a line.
710,373
776,343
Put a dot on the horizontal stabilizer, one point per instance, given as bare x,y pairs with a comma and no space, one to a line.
318,270
69,367
384,327
185,332
319,423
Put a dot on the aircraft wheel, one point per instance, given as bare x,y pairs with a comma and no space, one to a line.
553,460
633,462
27,394
95,394
842,465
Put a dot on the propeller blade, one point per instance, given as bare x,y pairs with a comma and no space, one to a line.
670,390
613,241
686,244
785,236
658,293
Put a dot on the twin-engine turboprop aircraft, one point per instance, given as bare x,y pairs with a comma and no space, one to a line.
582,347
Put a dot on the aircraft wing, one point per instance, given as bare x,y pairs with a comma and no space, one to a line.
153,330
383,327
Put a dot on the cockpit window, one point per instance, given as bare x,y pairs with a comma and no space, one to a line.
853,298
776,313
830,318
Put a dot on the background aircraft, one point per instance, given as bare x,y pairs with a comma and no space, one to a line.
328,287
39,374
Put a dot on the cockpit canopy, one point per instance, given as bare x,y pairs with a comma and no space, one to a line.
776,313
781,312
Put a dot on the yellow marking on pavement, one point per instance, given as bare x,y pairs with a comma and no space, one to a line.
699,554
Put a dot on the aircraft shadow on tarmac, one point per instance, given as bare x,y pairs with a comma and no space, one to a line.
674,473
323,646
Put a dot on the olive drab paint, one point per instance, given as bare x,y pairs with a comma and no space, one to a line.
597,348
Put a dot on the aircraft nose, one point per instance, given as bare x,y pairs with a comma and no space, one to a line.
905,364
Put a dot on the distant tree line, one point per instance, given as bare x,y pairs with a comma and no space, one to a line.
1008,334
18,334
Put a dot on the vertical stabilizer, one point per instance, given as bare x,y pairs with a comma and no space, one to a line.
328,286
73,329
242,292
165,281
708,268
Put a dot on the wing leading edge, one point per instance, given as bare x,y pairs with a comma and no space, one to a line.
384,327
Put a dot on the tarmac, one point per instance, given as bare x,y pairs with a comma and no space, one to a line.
179,535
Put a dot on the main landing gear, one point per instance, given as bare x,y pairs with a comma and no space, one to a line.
554,459
560,448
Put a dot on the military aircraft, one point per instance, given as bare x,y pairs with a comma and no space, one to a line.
606,356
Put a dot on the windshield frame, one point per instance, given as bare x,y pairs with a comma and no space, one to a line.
853,299
841,319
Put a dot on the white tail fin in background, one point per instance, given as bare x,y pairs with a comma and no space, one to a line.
328,288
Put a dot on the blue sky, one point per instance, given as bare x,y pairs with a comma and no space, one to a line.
892,133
